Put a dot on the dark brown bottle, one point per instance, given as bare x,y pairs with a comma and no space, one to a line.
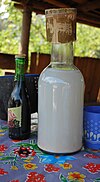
19,117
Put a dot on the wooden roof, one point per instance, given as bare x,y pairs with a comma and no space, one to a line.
88,11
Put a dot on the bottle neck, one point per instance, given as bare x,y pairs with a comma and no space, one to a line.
19,71
62,54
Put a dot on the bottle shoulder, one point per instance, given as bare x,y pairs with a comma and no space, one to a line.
62,66
18,95
51,75
51,71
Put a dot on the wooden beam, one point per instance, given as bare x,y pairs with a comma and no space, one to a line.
88,23
20,1
37,11
57,3
26,23
93,14
90,5
35,5
18,6
96,12
85,11
42,6
87,19
80,1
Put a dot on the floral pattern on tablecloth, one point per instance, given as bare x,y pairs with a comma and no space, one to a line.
23,161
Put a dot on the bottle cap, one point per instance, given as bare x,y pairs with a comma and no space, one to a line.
20,56
61,25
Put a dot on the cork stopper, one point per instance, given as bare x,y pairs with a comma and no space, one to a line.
61,25
20,56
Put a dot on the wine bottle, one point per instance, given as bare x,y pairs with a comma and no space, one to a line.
60,88
19,118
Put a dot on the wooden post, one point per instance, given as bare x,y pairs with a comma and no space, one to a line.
26,23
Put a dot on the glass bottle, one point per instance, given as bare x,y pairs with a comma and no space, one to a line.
60,88
19,117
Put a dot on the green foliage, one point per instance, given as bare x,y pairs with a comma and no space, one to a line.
88,41
87,44
11,29
38,41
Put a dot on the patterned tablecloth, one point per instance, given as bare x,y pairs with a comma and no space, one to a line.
22,161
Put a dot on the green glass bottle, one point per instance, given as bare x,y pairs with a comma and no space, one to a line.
19,117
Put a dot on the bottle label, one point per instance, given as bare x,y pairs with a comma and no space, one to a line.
14,117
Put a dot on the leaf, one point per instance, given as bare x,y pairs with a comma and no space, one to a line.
33,146
6,158
62,178
5,127
97,180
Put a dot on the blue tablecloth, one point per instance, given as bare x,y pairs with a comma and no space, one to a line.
23,161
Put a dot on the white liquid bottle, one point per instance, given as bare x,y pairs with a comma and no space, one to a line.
60,88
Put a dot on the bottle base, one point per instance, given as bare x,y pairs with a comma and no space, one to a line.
60,153
19,134
24,137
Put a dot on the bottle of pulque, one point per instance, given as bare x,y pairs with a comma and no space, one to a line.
19,117
61,88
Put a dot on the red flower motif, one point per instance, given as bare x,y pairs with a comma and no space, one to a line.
93,168
33,153
11,116
98,166
11,124
3,148
34,176
24,151
91,156
2,172
16,141
51,168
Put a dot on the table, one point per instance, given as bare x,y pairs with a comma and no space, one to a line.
23,161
